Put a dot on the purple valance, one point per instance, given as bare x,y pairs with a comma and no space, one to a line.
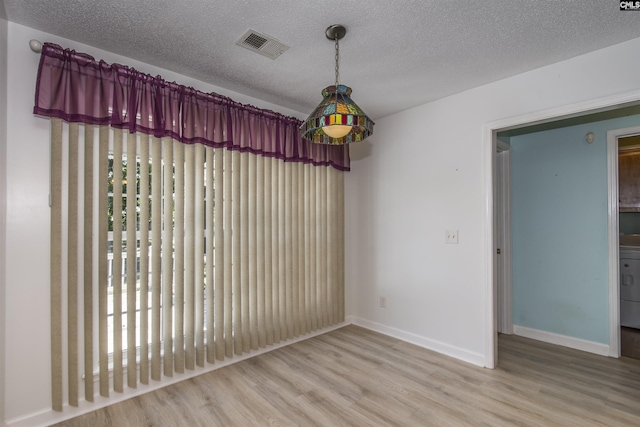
76,88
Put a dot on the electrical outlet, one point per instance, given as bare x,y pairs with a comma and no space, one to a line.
383,302
451,236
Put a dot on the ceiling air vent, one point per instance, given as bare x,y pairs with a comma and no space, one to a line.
262,44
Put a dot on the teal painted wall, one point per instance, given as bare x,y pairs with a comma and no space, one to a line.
559,229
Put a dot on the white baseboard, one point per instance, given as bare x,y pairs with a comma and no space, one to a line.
437,346
48,417
563,340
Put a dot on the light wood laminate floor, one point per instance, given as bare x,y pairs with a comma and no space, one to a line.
355,377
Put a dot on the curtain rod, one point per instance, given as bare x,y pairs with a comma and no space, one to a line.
35,45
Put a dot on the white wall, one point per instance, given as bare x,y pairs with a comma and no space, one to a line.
3,198
27,348
424,174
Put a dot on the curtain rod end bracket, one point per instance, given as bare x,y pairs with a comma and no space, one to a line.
35,45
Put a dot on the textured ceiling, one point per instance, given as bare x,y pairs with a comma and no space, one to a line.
397,53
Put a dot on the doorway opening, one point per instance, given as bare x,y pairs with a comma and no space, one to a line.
628,168
498,302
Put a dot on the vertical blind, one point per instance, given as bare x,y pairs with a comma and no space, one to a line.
167,256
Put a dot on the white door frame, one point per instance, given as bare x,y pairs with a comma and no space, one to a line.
489,147
614,241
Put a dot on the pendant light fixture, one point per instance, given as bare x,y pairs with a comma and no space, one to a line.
337,120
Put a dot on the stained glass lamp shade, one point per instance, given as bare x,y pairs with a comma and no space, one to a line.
337,119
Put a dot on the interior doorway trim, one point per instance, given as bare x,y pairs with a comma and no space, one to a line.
614,238
489,147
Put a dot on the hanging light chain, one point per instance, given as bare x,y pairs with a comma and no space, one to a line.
337,62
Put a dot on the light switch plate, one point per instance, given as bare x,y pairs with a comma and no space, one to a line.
451,236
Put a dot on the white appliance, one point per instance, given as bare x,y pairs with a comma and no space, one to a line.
630,286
